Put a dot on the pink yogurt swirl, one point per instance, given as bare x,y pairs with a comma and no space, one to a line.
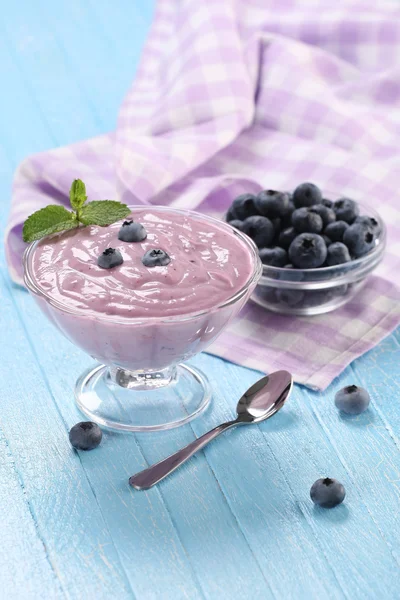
209,264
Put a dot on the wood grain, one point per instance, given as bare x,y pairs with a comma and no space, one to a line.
236,521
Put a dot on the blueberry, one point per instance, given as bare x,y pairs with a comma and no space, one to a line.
289,297
230,215
110,258
132,232
156,258
346,210
369,222
236,224
327,214
307,251
305,221
352,400
327,240
335,230
275,257
316,298
272,204
327,202
286,237
359,239
260,229
327,492
306,194
277,223
266,293
286,219
338,254
244,206
339,290
85,435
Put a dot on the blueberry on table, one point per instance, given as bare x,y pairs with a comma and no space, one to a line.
244,206
335,231
132,232
359,239
156,258
346,210
260,229
352,400
272,204
327,492
236,224
286,237
274,257
327,214
306,194
305,221
85,435
110,258
338,254
307,251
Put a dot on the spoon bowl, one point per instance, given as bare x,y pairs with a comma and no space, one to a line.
265,397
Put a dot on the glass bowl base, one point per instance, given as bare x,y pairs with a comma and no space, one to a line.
150,401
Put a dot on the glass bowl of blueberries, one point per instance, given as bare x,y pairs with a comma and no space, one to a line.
317,249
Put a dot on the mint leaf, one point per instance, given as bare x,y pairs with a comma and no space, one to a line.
45,221
103,212
77,194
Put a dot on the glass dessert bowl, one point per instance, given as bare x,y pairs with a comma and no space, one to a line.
141,323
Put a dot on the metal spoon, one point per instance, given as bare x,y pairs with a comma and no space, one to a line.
260,402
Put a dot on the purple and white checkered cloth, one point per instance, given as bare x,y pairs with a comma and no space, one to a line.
236,95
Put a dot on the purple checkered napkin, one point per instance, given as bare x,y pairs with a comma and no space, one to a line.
232,96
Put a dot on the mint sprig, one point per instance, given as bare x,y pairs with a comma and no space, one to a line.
55,218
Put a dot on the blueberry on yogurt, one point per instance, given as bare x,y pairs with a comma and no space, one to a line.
132,232
155,258
110,258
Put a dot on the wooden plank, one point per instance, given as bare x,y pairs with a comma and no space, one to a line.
268,483
63,504
25,569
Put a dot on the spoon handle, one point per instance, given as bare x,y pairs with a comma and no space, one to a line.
152,475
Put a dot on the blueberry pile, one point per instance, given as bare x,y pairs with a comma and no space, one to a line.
303,230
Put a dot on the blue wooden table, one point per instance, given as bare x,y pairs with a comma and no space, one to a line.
236,521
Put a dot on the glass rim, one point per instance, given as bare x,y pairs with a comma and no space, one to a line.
253,279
